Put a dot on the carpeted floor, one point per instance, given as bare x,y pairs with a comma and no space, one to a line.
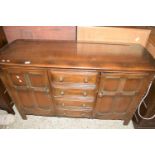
39,122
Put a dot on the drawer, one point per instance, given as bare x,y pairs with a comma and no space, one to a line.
74,76
71,103
67,113
61,92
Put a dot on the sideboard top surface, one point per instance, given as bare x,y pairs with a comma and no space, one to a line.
70,54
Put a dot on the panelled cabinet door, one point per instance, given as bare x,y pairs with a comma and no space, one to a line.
119,93
30,90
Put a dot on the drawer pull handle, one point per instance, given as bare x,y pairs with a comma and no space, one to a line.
100,94
17,77
27,62
61,79
20,81
62,93
84,93
85,80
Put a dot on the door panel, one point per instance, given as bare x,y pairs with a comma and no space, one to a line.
25,98
104,105
122,103
118,93
38,79
132,84
30,90
111,84
43,100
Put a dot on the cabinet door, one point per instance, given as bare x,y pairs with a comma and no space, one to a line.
30,90
119,94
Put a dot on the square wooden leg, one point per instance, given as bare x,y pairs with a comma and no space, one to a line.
126,122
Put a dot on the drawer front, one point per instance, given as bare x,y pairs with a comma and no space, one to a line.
61,92
67,113
70,103
76,76
33,93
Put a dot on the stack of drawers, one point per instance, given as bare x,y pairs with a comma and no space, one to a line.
74,92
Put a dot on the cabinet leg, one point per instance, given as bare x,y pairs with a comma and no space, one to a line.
21,113
24,117
10,110
126,122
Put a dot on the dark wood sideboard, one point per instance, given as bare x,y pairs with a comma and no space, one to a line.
5,100
70,79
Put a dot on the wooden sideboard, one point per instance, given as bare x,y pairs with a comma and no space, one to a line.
70,79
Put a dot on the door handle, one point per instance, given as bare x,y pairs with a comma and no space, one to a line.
100,94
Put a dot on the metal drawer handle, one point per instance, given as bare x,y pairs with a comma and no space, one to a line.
27,62
20,81
86,80
100,94
85,93
61,79
83,105
17,76
62,93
